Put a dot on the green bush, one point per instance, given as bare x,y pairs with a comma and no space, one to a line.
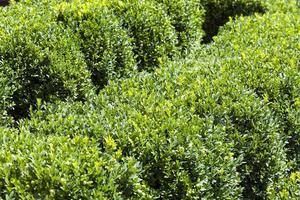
105,44
40,58
62,167
222,123
187,18
154,37
182,123
261,53
281,5
264,57
217,13
287,188
6,91
153,118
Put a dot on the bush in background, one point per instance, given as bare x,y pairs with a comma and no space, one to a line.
187,17
41,58
217,13
105,44
264,57
147,23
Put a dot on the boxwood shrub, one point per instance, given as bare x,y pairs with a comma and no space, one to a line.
153,119
187,17
147,23
105,44
264,57
63,167
261,53
40,59
191,127
220,124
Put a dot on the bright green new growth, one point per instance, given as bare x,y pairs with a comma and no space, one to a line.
61,167
220,123
187,17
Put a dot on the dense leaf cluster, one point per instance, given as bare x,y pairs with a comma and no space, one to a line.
119,100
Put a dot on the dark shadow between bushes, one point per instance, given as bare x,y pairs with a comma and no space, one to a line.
4,2
218,14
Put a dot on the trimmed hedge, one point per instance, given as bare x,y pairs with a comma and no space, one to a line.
182,123
61,167
242,92
187,17
222,123
106,46
182,155
265,57
262,53
41,60
147,23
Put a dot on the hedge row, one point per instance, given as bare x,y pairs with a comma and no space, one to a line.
269,66
172,122
61,167
182,154
111,40
222,123
212,127
40,59
101,41
265,59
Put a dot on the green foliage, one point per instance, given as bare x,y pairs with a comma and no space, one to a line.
287,188
6,91
222,123
154,118
105,44
181,117
61,167
266,62
281,5
40,59
187,18
217,13
262,53
154,37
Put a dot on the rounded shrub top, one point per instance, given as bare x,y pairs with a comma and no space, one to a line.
187,17
147,23
104,43
41,58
